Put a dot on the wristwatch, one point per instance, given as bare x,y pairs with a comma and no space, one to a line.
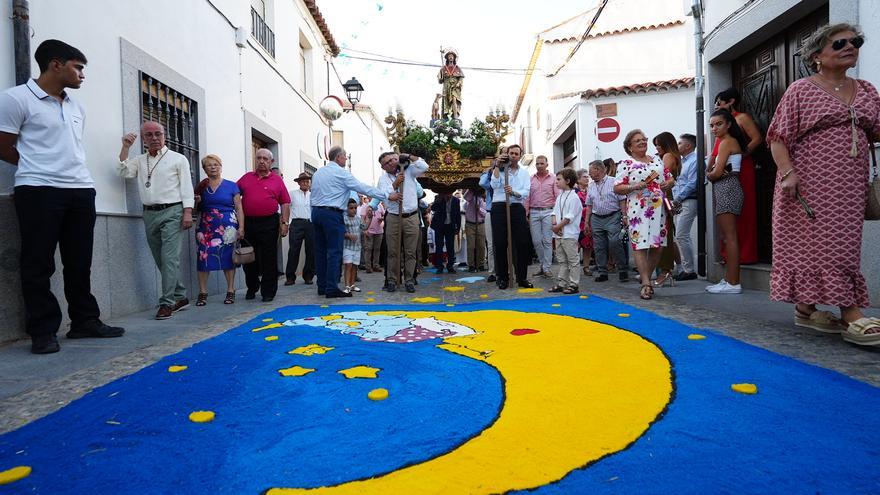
283,222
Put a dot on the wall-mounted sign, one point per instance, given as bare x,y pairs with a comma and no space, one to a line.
606,110
607,130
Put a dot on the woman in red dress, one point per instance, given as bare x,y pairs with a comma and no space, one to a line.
747,222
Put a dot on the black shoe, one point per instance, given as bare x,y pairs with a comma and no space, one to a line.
525,284
308,282
439,270
338,293
502,284
472,269
268,298
250,295
601,278
491,278
450,269
45,344
391,287
623,276
94,329
290,281
320,293
410,288
685,276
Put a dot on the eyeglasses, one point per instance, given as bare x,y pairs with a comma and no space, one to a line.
840,44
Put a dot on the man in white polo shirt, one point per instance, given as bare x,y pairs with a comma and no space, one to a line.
41,131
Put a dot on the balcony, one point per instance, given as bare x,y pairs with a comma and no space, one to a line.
262,32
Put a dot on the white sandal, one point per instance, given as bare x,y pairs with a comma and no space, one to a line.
857,332
820,321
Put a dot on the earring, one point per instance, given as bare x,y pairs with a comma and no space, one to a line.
818,65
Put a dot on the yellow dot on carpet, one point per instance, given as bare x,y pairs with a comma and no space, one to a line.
583,297
696,336
533,290
325,306
270,338
370,292
201,416
623,315
425,299
311,350
265,320
454,288
556,305
14,474
484,296
378,394
295,371
745,388
266,327
360,372
370,299
450,305
176,368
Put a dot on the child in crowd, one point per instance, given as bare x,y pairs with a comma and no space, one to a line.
351,247
566,221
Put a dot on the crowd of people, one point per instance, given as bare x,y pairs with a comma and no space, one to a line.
592,221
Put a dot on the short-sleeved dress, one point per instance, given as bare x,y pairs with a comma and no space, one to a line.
818,261
647,217
218,227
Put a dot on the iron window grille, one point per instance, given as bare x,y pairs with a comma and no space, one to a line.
176,112
262,32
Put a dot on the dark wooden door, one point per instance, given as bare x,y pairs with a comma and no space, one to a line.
761,76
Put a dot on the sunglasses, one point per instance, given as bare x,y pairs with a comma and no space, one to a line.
840,44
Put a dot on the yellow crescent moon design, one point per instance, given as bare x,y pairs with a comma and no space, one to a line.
574,392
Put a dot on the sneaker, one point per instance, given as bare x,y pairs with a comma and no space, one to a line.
164,312
355,288
726,288
180,304
45,344
94,329
347,290
714,286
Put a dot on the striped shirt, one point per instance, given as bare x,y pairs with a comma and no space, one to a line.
353,225
601,197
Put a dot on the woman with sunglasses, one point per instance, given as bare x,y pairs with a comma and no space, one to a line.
819,138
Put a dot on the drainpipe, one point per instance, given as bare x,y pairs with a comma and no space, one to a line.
696,12
21,40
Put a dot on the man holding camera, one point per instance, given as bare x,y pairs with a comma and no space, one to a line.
402,229
511,184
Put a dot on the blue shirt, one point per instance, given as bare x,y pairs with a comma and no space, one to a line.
520,182
486,183
332,186
686,185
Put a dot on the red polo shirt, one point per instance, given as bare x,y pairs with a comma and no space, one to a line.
260,196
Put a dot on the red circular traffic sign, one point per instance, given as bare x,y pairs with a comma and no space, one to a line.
607,130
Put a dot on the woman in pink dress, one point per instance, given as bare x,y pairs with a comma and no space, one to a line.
819,140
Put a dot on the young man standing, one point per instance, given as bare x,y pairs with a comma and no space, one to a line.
41,132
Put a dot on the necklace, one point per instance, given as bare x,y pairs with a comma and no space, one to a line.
214,189
151,169
837,87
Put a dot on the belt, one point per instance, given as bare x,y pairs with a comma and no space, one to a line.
405,215
606,215
331,208
161,206
300,220
477,223
541,208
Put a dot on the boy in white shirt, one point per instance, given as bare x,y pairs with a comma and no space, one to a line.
566,221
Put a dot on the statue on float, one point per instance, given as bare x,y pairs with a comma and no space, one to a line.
451,78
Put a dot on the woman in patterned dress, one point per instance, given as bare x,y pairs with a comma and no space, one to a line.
221,224
643,179
819,140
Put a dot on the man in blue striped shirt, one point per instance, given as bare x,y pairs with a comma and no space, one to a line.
331,189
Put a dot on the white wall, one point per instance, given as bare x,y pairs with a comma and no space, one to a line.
363,142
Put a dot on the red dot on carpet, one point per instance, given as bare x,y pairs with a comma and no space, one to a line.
523,331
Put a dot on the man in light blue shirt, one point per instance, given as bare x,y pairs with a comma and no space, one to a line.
512,184
684,193
331,190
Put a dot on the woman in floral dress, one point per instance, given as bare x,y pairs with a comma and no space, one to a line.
643,180
819,138
221,224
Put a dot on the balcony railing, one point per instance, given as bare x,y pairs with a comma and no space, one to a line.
262,32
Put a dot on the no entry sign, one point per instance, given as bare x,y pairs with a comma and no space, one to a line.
607,130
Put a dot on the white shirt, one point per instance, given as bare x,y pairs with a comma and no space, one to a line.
300,204
410,193
170,181
520,181
568,205
50,137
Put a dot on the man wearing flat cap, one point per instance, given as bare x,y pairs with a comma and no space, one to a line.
301,229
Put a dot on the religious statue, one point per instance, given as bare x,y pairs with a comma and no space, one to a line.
450,77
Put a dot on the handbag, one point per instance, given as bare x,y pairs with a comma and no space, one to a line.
872,208
242,255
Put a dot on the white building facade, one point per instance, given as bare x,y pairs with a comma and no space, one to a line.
753,46
224,76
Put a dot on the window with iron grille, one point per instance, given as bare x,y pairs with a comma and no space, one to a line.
310,169
178,114
262,32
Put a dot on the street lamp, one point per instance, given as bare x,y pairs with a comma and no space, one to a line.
353,90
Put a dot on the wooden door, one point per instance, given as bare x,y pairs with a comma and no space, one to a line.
256,143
